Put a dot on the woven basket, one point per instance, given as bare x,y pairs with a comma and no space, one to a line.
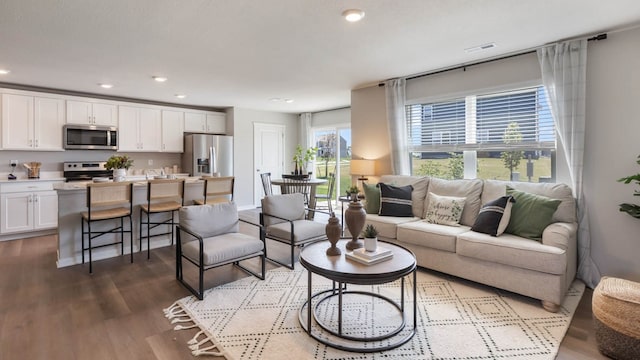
616,313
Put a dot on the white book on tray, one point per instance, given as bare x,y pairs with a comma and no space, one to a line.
353,255
381,251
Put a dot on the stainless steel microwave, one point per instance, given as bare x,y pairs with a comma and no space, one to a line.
90,137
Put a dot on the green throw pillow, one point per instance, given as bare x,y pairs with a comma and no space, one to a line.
530,214
372,197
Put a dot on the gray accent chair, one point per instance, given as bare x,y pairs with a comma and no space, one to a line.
283,218
208,237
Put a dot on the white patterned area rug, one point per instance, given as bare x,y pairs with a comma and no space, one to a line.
457,319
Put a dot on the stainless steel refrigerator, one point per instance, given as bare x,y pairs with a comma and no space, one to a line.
210,155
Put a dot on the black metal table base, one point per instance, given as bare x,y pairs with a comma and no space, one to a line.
368,342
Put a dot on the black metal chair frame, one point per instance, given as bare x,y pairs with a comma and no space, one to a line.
289,241
268,189
329,195
201,268
119,229
154,224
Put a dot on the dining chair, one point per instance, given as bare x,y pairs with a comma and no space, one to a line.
217,190
301,186
328,196
164,196
208,237
266,183
109,203
284,220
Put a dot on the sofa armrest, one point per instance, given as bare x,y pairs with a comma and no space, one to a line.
561,235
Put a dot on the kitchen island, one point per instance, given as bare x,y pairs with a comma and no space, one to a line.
72,201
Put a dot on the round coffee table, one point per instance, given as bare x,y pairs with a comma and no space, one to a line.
343,271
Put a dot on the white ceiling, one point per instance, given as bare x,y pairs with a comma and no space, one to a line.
242,53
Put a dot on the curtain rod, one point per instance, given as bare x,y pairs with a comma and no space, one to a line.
464,66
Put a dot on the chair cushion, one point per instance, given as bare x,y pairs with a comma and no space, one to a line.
161,207
303,230
223,248
514,251
288,206
106,214
435,236
210,220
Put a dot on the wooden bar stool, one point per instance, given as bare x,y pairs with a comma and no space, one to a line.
163,196
217,190
107,202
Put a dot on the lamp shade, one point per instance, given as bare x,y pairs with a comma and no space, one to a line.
363,167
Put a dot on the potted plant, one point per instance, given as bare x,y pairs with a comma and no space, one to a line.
302,158
632,209
370,234
119,164
352,193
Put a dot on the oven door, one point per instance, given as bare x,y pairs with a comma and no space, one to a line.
90,137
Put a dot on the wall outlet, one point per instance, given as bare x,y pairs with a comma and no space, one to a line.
150,162
14,163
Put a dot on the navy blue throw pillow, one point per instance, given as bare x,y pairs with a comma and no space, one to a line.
395,200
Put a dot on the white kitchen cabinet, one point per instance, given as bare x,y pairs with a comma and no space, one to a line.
32,122
205,122
172,131
91,113
139,129
216,123
28,206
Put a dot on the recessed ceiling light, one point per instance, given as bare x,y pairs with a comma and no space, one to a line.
275,99
4,71
160,78
353,15
181,96
288,101
106,86
480,47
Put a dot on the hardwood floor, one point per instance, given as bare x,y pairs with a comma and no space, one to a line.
116,313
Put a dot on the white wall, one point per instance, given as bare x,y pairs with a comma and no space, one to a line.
612,145
611,150
243,167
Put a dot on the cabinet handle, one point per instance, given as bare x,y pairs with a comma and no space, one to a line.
36,142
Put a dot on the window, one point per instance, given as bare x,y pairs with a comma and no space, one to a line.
505,135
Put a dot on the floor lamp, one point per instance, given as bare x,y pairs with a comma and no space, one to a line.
362,168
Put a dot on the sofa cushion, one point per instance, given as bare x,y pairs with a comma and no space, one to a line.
444,210
372,198
395,200
530,214
566,211
469,189
419,194
386,225
494,216
435,236
514,251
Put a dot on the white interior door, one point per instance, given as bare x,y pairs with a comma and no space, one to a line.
268,142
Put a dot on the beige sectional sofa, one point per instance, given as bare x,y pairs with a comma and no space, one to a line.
540,269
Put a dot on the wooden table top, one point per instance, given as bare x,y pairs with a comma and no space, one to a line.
338,268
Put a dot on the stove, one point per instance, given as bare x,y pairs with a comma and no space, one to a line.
85,170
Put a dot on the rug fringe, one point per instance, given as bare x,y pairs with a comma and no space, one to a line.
177,314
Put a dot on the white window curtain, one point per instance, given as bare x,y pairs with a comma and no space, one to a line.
304,129
563,68
395,98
